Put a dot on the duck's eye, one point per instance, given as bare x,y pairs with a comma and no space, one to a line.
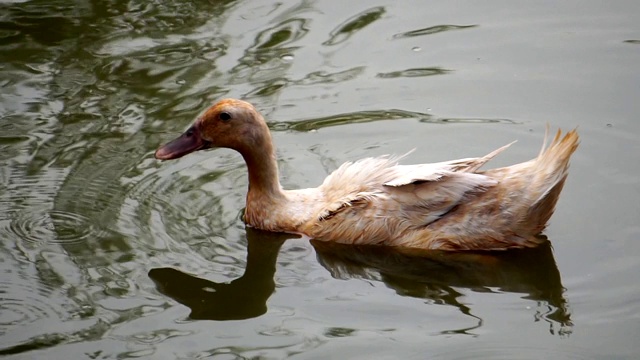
225,116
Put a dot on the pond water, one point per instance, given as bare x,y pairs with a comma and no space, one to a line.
108,253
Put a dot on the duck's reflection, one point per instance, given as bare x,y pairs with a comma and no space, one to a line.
423,274
435,275
243,298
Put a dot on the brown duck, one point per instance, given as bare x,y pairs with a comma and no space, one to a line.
450,205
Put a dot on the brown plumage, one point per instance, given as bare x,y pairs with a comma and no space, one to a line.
448,206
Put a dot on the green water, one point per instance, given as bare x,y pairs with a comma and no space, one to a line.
108,253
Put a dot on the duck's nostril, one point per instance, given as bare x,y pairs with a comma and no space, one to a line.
186,143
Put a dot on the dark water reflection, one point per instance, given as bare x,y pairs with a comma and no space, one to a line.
243,298
354,24
432,30
440,277
372,116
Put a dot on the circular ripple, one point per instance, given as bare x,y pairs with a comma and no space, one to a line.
182,201
51,227
185,207
23,303
31,310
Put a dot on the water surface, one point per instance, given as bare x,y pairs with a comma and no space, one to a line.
107,253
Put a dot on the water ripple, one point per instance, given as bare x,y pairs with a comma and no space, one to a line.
29,310
22,302
503,351
470,121
416,72
51,227
354,24
158,336
377,115
323,77
347,118
283,33
177,208
432,30
273,86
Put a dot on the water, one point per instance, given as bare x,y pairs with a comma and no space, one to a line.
107,253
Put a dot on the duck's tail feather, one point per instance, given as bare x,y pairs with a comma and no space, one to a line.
549,172
477,163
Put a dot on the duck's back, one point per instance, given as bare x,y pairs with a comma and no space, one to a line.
449,205
377,201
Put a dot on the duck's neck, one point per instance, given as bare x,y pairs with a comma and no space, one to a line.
263,175
265,193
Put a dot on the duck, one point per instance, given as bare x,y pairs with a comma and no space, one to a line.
450,205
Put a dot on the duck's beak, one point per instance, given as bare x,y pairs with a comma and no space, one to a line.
187,143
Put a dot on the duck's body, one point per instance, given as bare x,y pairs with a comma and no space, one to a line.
446,206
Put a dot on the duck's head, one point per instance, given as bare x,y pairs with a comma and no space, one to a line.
229,123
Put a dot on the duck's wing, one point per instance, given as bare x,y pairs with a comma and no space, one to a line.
471,164
426,193
354,184
434,172
419,194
